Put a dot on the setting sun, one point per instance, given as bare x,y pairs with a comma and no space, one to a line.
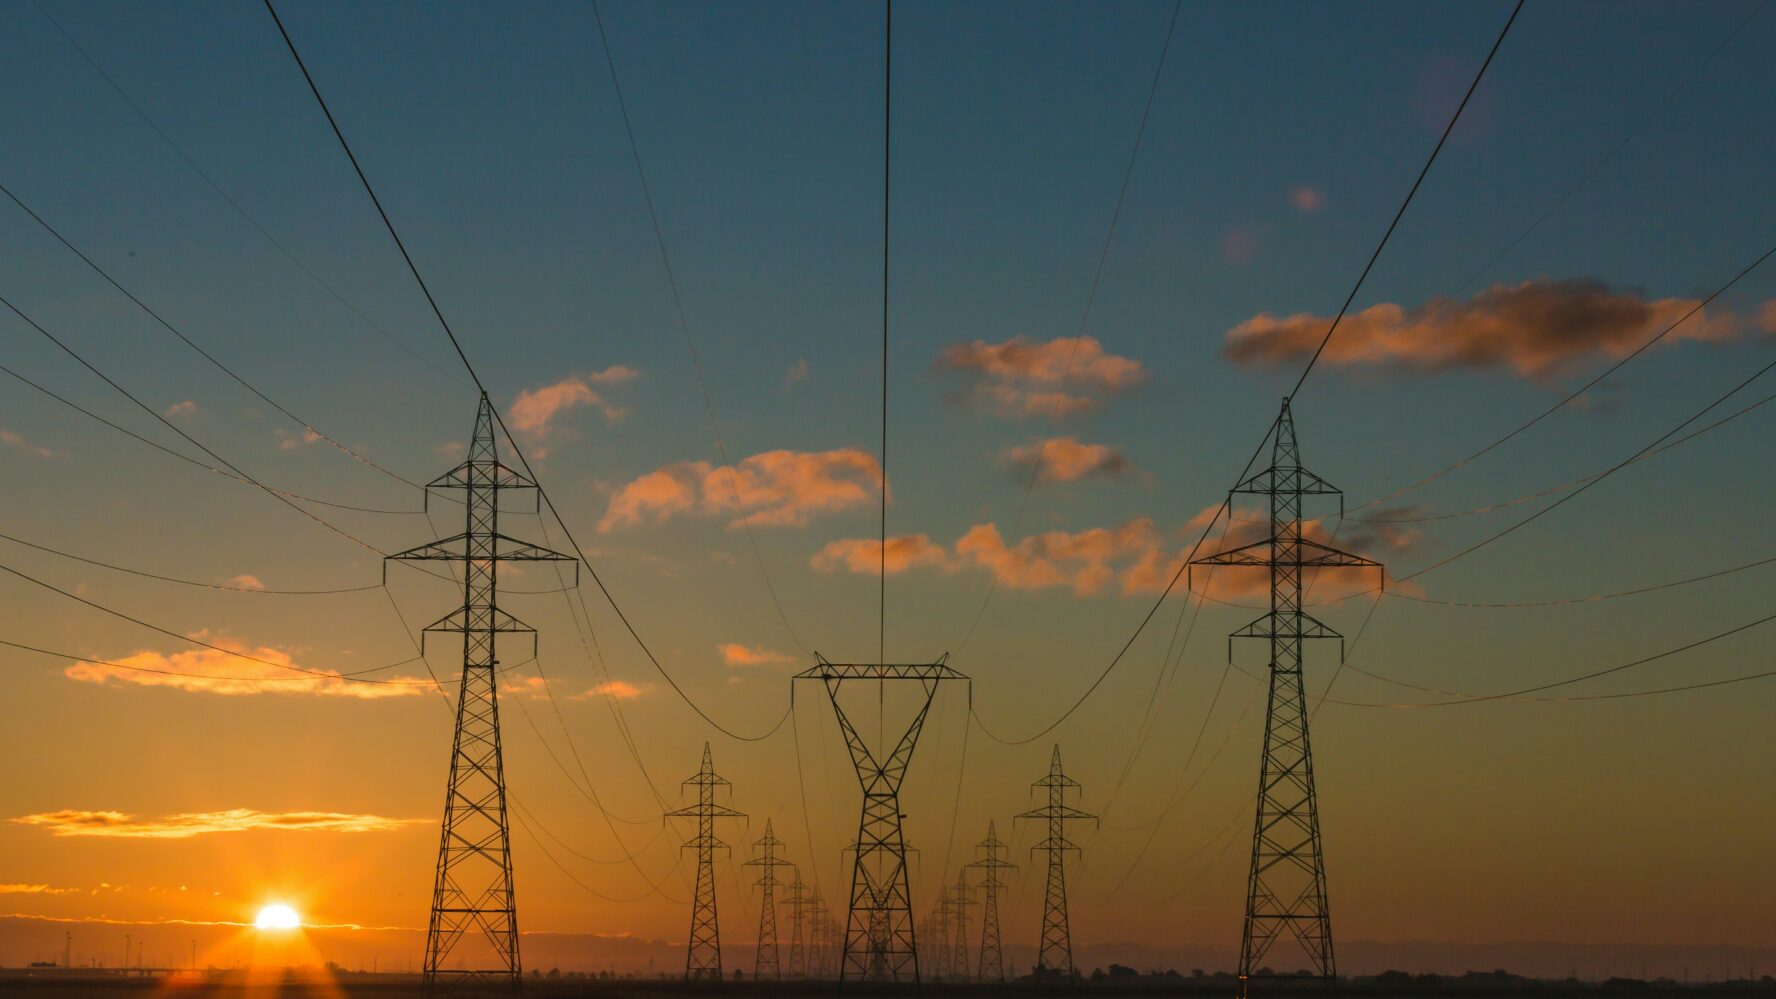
278,917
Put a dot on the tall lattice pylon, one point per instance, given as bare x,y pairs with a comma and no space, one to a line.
1055,957
703,956
991,966
879,940
1286,885
766,967
472,934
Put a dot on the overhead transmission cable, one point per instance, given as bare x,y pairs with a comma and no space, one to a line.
468,366
1226,504
684,326
1091,297
306,426
235,205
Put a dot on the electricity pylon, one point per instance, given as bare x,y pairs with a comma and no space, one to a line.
1056,953
992,957
703,958
959,903
1286,885
472,890
879,937
798,942
765,966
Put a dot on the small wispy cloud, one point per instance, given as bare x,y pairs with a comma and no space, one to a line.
185,825
737,655
16,440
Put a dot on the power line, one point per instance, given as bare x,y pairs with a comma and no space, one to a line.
456,344
242,212
267,591
1091,297
206,355
1226,503
684,326
193,461
352,677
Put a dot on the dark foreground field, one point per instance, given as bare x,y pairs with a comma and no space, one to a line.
20,984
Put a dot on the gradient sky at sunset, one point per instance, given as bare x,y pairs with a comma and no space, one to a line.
1281,141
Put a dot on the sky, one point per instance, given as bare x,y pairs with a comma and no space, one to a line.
1611,172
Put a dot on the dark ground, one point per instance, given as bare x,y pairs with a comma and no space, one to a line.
79,984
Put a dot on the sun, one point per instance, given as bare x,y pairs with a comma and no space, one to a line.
278,916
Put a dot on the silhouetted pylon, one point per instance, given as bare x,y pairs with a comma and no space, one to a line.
472,890
992,958
959,903
1056,952
1286,883
880,942
703,955
765,966
798,938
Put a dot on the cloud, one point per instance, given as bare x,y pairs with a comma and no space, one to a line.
184,825
797,372
865,555
534,410
776,488
1063,377
179,410
288,441
531,688
12,439
1064,459
1239,246
1537,330
735,654
246,581
216,672
620,690
450,450
1133,557
1307,199
26,889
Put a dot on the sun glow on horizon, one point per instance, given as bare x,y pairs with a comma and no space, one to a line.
278,916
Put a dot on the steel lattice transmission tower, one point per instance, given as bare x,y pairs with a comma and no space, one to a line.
879,940
992,957
703,958
1056,953
766,967
472,894
959,903
798,903
1286,887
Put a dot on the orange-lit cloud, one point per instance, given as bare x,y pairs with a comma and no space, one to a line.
1064,459
776,488
1062,377
1307,199
17,440
621,690
180,409
866,556
216,672
184,825
534,410
290,441
1539,329
1134,557
246,581
28,889
735,654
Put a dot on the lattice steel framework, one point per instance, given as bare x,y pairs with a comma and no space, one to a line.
879,940
703,959
797,903
959,903
1286,886
472,894
766,967
991,967
1056,953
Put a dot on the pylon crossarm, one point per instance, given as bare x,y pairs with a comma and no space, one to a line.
505,549
482,475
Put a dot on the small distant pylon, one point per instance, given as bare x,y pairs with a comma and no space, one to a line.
703,960
798,940
959,903
1286,883
472,893
992,958
1056,953
765,966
